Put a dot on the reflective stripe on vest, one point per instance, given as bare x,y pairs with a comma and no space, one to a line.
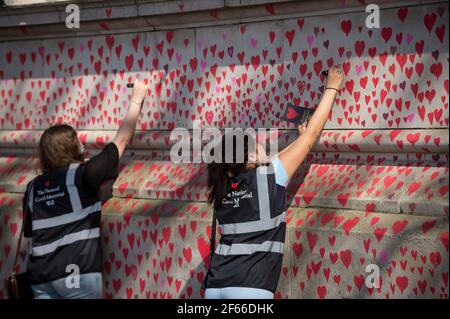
77,213
264,222
66,240
247,249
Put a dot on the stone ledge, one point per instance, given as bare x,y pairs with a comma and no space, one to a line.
431,141
386,186
97,17
342,222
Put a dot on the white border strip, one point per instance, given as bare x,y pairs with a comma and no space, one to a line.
248,249
66,240
66,218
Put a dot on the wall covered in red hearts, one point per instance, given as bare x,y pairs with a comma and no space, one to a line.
374,189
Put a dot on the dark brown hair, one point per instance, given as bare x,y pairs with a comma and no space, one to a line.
219,173
59,147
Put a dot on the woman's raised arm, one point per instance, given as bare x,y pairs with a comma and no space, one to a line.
128,125
293,156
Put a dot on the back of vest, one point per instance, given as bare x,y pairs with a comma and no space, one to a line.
65,226
252,221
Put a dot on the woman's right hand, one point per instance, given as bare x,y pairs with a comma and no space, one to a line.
128,126
139,91
334,78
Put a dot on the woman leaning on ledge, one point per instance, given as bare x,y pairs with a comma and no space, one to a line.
63,208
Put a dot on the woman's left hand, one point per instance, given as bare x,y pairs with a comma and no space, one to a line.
302,127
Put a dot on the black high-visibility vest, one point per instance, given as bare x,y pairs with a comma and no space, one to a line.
65,226
252,221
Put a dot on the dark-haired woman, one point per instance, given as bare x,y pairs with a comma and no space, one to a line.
249,205
63,209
